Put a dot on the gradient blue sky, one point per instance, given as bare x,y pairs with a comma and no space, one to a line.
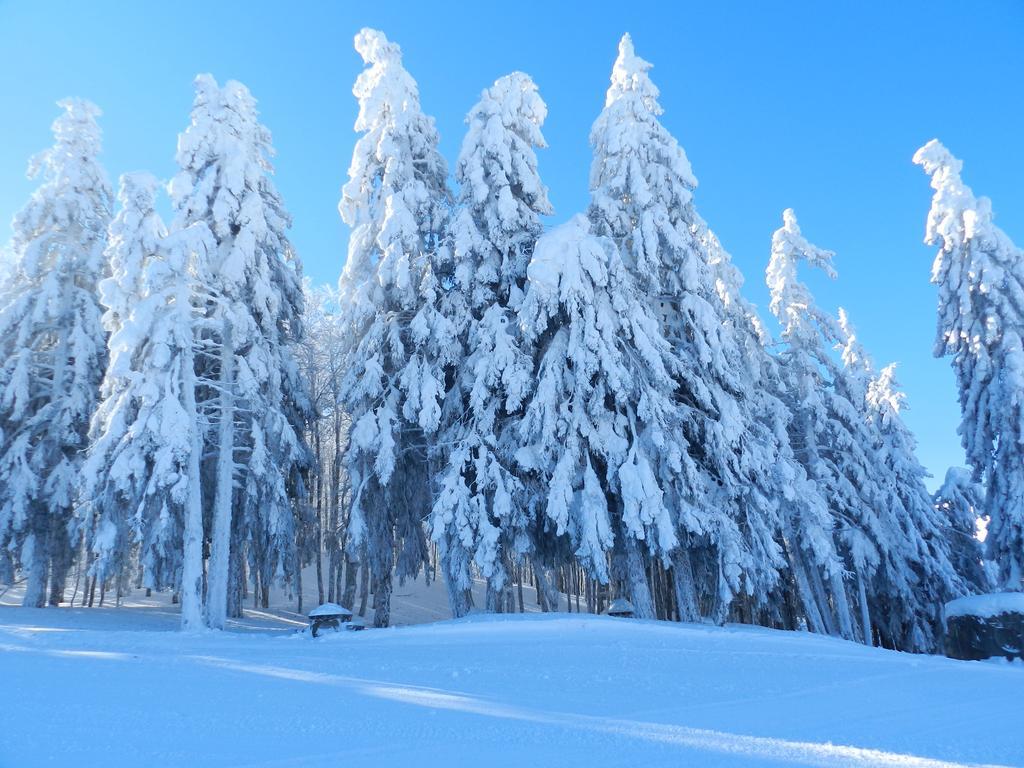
817,106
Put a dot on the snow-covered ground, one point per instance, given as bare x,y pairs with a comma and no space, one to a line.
118,687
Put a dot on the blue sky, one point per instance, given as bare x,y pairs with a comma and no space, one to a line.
810,105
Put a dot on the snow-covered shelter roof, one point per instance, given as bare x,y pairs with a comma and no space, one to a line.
620,605
330,609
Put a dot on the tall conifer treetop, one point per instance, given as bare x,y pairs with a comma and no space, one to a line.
639,168
53,348
980,276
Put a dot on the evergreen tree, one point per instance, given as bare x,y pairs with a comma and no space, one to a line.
917,576
642,198
784,499
847,431
481,512
959,503
980,275
53,349
601,427
828,431
253,320
399,340
142,475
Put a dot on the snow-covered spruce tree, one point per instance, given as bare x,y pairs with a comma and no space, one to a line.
959,503
980,275
916,576
642,197
53,349
252,389
141,479
785,497
481,512
601,427
828,431
854,447
399,340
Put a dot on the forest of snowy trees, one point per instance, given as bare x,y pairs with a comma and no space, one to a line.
591,409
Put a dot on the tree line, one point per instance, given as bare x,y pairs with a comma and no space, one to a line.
592,408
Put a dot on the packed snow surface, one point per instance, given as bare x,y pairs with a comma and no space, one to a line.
986,606
118,687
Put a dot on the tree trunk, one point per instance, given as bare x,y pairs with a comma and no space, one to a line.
547,588
237,578
382,599
348,597
519,588
192,612
78,570
803,587
842,604
35,586
364,589
818,588
636,578
60,559
220,549
320,568
865,616
682,583
459,601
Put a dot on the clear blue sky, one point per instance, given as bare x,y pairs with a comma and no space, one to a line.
813,105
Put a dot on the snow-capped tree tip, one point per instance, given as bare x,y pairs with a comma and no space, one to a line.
629,74
78,106
375,48
204,84
980,275
789,221
934,156
138,186
54,350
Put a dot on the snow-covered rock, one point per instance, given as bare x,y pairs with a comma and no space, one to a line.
986,606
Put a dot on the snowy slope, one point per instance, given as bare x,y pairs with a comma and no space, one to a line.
106,688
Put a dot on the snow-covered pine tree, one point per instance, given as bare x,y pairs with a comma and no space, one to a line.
253,391
399,342
642,197
784,496
828,431
53,349
847,432
601,428
959,503
481,513
916,576
980,276
141,479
